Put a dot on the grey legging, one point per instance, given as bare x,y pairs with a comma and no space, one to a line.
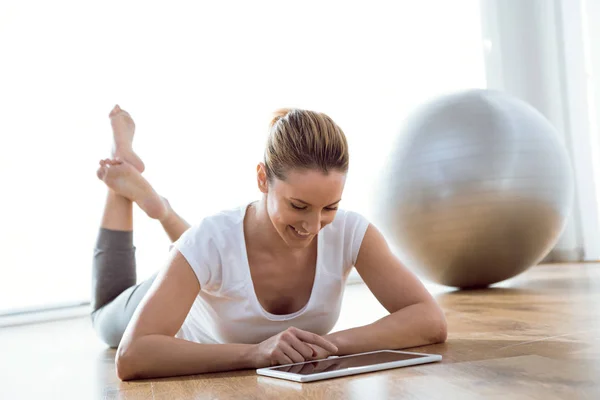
115,295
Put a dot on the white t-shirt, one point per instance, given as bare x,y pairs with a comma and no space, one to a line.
227,310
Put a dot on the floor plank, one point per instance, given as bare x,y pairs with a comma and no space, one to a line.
534,336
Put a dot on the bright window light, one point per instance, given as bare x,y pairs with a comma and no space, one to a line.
201,80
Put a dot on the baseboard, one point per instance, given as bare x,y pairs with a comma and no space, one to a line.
564,255
48,315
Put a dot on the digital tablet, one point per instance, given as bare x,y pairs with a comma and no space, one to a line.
334,366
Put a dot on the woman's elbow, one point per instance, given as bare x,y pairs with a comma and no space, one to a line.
441,330
125,363
438,331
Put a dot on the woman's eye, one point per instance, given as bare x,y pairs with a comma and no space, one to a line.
304,207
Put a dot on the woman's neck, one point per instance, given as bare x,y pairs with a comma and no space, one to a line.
262,234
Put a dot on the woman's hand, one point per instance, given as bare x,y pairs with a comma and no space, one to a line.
291,346
319,353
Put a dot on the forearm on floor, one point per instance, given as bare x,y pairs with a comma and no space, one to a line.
156,356
416,325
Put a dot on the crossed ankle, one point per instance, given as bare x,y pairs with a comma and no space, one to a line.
167,217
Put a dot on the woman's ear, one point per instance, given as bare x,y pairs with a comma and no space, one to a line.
261,177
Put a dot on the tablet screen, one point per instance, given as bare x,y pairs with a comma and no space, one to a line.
333,364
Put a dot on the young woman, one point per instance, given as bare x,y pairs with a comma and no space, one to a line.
258,285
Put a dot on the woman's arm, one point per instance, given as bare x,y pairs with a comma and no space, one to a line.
158,356
415,318
150,350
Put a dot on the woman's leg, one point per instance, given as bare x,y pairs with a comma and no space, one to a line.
123,129
114,267
172,223
113,270
115,295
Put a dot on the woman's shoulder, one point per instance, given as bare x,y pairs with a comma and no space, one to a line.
345,217
217,226
346,224
344,237
225,219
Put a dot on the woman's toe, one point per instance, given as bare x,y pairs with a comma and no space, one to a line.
101,172
116,109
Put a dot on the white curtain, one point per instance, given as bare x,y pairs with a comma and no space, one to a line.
590,12
541,51
200,80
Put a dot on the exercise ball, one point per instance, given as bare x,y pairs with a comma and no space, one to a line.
476,189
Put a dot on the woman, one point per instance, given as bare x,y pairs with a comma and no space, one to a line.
256,286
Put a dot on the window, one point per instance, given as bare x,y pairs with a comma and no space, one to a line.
201,80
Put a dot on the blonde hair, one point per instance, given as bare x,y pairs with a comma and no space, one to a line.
302,139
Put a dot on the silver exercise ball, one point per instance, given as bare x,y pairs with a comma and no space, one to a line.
477,188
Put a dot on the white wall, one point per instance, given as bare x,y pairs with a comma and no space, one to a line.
200,79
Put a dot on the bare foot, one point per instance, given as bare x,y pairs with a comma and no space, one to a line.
123,129
127,181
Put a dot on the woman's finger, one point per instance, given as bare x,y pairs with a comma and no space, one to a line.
313,338
303,348
291,353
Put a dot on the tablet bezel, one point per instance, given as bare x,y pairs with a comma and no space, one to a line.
423,359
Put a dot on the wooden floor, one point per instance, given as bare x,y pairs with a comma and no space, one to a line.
533,337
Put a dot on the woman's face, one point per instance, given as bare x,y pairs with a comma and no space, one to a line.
303,204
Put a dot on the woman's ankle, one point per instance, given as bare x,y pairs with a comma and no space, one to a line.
172,223
118,213
114,196
168,214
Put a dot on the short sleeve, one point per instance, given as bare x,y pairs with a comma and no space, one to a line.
355,228
198,246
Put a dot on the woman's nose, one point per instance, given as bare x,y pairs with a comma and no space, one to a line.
312,225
